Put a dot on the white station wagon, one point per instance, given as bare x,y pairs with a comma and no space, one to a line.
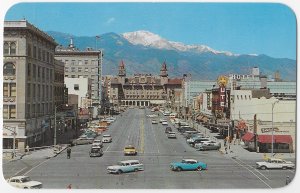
274,163
126,166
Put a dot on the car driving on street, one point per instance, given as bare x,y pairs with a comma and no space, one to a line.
188,164
130,150
106,138
275,163
126,166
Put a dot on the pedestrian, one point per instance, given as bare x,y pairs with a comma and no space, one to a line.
288,180
69,152
69,186
225,141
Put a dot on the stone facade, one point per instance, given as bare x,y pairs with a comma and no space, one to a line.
30,79
87,64
143,89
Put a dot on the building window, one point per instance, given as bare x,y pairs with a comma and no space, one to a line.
79,69
33,71
237,97
79,62
66,69
48,57
9,69
76,86
39,72
39,53
73,69
86,69
6,48
13,90
73,62
44,55
5,89
28,111
28,91
29,51
86,62
5,111
9,48
34,51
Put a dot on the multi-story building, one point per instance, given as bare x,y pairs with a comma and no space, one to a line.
30,79
278,88
88,64
144,89
82,88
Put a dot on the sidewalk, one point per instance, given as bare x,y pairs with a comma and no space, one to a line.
37,154
239,150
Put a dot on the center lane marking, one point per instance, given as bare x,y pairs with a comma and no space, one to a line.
142,136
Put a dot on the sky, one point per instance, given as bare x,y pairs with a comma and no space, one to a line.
241,28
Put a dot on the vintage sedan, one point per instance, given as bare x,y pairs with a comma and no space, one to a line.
274,163
82,141
171,135
154,121
126,166
106,138
208,145
130,150
24,182
188,164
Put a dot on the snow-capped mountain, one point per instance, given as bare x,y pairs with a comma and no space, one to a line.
144,52
147,38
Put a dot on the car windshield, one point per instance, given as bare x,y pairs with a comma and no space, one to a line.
106,135
129,147
27,179
95,150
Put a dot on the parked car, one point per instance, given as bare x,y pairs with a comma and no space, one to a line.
82,141
106,138
24,182
130,150
198,140
96,152
162,120
164,123
97,142
274,163
171,135
154,121
126,166
168,129
188,164
211,145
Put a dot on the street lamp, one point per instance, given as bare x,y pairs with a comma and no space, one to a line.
55,108
272,147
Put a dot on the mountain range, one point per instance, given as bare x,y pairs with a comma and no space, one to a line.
144,52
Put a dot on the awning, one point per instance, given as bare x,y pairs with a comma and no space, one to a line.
276,139
248,136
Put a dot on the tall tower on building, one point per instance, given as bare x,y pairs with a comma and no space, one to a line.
277,76
122,70
163,70
164,73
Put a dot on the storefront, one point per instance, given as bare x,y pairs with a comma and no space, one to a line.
281,143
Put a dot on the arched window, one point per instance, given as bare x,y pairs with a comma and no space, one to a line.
13,48
9,69
6,48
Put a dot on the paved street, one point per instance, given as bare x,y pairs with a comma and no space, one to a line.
156,152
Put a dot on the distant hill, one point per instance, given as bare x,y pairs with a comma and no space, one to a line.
144,52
